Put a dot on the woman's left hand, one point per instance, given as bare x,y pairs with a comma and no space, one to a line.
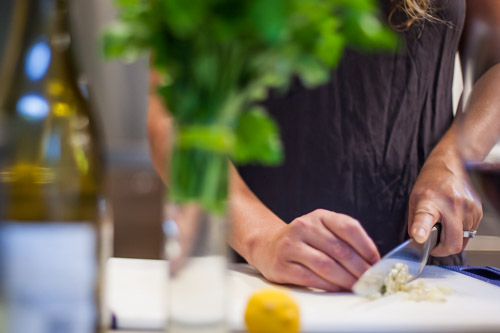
443,194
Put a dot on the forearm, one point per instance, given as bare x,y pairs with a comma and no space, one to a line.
481,123
482,116
251,221
159,129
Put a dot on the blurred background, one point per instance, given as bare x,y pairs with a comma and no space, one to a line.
120,98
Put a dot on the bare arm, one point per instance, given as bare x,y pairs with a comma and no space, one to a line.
247,237
159,128
442,193
480,55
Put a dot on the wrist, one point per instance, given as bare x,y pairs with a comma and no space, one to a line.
258,245
446,151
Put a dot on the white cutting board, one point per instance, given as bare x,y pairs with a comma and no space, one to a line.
136,292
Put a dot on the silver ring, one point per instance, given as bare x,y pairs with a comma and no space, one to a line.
470,233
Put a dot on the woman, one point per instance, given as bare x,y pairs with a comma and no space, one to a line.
369,157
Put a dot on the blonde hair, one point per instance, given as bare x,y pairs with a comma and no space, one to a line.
416,11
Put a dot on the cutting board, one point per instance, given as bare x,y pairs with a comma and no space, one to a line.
137,293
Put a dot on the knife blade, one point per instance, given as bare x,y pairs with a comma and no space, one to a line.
410,253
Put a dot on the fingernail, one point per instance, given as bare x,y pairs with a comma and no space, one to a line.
419,234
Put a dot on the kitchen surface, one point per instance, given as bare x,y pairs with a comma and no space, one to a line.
470,306
136,281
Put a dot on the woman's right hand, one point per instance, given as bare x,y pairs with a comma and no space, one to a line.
322,249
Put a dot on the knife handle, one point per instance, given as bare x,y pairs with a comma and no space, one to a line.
435,235
436,229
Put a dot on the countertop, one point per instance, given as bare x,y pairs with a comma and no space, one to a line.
137,297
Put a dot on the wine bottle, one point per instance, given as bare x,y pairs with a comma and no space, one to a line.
51,177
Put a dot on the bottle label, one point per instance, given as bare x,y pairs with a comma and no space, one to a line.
49,276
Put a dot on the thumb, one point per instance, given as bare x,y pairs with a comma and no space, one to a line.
425,217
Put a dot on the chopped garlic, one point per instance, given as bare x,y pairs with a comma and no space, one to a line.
419,291
397,280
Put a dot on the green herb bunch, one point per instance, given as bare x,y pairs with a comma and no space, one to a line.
219,58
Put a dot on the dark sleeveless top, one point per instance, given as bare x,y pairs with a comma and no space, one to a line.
356,145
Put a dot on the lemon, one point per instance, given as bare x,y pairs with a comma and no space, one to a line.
272,311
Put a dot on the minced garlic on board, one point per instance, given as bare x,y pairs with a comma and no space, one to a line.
420,291
397,280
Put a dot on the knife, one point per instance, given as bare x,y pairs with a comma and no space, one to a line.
410,253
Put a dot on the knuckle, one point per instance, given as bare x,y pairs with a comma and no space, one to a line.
319,211
306,277
422,211
341,228
425,207
274,273
341,251
322,265
288,244
348,225
469,205
427,193
299,223
479,212
457,200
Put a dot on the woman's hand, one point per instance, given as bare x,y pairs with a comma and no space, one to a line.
321,249
442,194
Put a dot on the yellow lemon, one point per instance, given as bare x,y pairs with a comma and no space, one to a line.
272,311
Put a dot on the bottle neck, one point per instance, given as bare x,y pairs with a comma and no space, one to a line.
45,18
40,37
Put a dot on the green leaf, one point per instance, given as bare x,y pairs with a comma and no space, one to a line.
123,40
130,9
269,18
364,31
213,138
331,43
257,139
312,72
360,5
205,69
185,17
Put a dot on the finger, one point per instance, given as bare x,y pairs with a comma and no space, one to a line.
475,206
477,213
325,267
468,224
464,216
321,238
452,233
426,215
303,276
341,252
464,243
352,233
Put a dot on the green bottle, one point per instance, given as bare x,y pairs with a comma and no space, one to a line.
52,246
